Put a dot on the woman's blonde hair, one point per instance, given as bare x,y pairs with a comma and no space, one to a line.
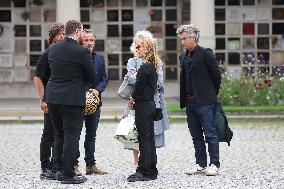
149,42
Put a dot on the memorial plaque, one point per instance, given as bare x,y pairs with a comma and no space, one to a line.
233,14
248,43
98,15
20,46
233,29
21,59
20,15
233,43
20,74
263,13
5,45
49,15
138,26
6,60
141,15
5,75
35,15
249,13
6,31
113,45
100,30
277,58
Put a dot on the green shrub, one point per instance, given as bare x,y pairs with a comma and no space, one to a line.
249,91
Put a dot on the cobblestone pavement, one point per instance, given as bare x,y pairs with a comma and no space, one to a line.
255,159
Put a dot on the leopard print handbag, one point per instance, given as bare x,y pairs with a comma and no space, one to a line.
92,103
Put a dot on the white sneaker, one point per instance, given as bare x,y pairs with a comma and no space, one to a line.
212,171
196,169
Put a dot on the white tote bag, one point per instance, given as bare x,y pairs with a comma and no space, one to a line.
126,131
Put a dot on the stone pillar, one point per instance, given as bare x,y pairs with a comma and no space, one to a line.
202,14
67,10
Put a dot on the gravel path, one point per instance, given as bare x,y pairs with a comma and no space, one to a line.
255,159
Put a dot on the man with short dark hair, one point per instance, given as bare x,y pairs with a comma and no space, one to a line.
42,75
200,80
71,68
92,120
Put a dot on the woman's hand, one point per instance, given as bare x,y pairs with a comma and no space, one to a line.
131,103
134,73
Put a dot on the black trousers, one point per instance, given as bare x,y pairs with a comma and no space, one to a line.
47,144
145,128
68,122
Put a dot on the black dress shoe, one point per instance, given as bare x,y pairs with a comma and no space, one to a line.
74,180
134,174
59,175
153,177
138,177
47,174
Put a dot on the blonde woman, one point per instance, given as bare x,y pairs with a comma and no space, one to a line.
132,66
143,72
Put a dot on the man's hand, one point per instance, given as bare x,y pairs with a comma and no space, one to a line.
95,92
43,106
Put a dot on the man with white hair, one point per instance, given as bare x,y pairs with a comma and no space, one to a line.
200,80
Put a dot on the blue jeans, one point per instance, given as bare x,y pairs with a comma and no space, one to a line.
200,119
91,125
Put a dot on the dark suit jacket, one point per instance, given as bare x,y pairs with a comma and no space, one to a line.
101,75
146,83
71,68
205,76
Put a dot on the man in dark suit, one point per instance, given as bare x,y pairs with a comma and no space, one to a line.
71,68
42,75
200,80
92,121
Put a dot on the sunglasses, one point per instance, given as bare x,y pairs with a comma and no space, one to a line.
138,47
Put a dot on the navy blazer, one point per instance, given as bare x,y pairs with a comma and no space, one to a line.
101,75
205,76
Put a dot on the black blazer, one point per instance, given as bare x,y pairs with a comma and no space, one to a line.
71,67
205,76
146,83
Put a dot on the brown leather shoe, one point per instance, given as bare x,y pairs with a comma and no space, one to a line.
77,170
95,170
